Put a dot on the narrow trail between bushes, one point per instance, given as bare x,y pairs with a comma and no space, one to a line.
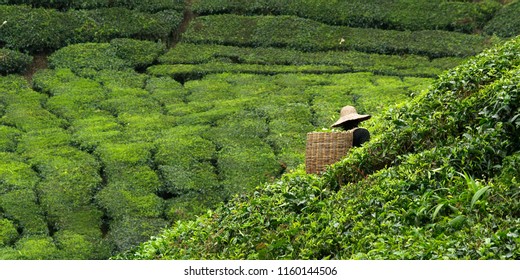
188,16
40,61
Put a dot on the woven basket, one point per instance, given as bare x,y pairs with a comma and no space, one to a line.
325,148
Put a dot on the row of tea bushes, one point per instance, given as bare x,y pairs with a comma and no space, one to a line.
210,58
145,6
506,23
308,35
36,29
12,61
460,16
47,185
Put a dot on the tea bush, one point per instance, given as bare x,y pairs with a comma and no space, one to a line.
399,15
120,203
37,248
202,55
13,62
185,163
8,232
140,54
104,24
8,138
505,23
38,29
21,206
308,35
88,133
35,29
127,232
15,174
149,6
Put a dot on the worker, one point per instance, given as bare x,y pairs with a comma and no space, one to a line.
349,120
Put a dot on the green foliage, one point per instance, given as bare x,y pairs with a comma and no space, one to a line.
15,174
87,55
399,15
117,157
37,29
90,132
104,24
13,62
8,232
184,162
438,181
139,53
37,248
121,203
129,231
21,206
211,58
8,138
149,6
308,35
73,246
506,22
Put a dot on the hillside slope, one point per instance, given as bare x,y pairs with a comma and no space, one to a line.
439,181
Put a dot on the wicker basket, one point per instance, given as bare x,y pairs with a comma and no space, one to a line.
325,148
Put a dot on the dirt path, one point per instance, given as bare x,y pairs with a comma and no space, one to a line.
40,61
187,17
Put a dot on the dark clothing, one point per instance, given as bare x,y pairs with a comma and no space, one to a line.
360,136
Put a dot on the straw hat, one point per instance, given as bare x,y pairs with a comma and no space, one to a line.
349,113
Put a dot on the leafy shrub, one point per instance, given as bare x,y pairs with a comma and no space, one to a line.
505,23
37,248
190,205
184,163
43,141
139,179
245,166
96,56
149,6
105,24
21,206
118,157
8,138
144,128
37,29
400,15
130,231
120,203
133,101
185,72
307,35
13,61
118,80
15,174
209,57
67,184
166,91
140,54
88,133
73,246
8,232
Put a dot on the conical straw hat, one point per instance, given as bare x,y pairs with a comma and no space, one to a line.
349,113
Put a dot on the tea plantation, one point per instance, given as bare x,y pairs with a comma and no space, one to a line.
186,120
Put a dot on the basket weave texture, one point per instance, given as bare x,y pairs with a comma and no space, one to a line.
325,148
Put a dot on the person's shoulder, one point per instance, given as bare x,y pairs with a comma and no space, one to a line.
360,135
